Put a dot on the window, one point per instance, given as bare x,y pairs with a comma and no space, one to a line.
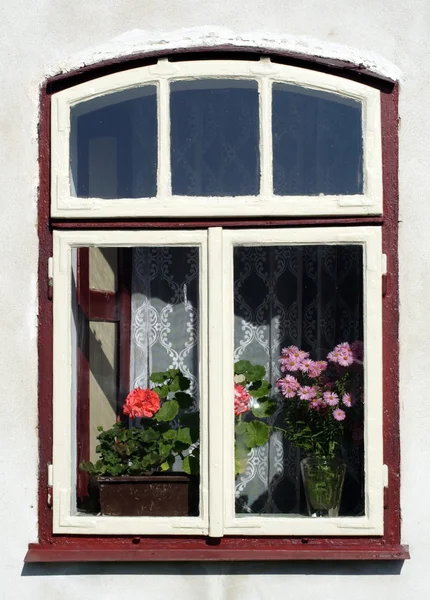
208,213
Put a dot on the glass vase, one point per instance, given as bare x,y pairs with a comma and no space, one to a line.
323,482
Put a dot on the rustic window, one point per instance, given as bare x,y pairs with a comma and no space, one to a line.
208,216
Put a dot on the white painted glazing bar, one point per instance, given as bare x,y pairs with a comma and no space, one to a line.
266,147
164,182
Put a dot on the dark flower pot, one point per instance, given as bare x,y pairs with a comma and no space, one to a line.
146,495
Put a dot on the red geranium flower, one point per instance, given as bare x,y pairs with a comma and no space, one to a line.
141,403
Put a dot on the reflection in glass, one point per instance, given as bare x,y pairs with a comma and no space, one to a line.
317,142
136,375
310,297
214,138
114,145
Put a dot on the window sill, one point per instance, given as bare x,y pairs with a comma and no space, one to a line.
215,550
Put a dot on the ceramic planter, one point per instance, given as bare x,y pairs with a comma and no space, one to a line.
146,495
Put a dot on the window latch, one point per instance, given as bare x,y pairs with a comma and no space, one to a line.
384,270
50,278
49,494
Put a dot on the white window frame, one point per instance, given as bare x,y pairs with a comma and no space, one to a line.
65,205
217,516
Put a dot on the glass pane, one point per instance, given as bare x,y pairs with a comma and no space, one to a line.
295,398
113,146
136,376
215,138
317,143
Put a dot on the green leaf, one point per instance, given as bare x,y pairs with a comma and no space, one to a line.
259,372
240,465
184,400
170,434
174,385
158,377
149,434
162,390
184,436
190,465
264,409
168,411
241,427
242,366
191,420
184,382
86,466
241,450
256,434
259,389
164,466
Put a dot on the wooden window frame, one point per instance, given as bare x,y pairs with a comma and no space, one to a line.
68,548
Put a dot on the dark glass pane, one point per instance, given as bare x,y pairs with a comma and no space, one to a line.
114,145
135,347
310,297
215,138
317,143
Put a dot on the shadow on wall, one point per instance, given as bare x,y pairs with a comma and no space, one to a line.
233,568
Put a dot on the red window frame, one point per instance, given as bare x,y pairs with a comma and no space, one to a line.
69,548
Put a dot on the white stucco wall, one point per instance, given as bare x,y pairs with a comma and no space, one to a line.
42,36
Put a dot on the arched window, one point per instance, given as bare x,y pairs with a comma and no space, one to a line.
217,273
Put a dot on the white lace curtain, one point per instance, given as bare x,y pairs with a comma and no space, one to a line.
310,296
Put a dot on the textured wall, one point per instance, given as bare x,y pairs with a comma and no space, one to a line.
40,38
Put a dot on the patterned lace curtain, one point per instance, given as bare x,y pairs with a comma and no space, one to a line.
310,296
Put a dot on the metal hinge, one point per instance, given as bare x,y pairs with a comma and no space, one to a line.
385,484
50,483
384,270
50,278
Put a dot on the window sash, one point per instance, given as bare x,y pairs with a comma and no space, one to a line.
372,522
64,205
217,513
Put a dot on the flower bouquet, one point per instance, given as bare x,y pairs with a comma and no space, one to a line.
318,403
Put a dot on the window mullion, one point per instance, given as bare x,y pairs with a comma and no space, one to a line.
266,147
216,400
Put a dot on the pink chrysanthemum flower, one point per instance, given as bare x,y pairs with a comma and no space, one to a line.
292,363
347,400
317,404
331,398
292,358
241,400
341,354
306,365
316,368
288,386
339,414
307,392
290,350
357,349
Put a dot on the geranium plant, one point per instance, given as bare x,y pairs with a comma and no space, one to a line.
153,445
318,397
252,404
